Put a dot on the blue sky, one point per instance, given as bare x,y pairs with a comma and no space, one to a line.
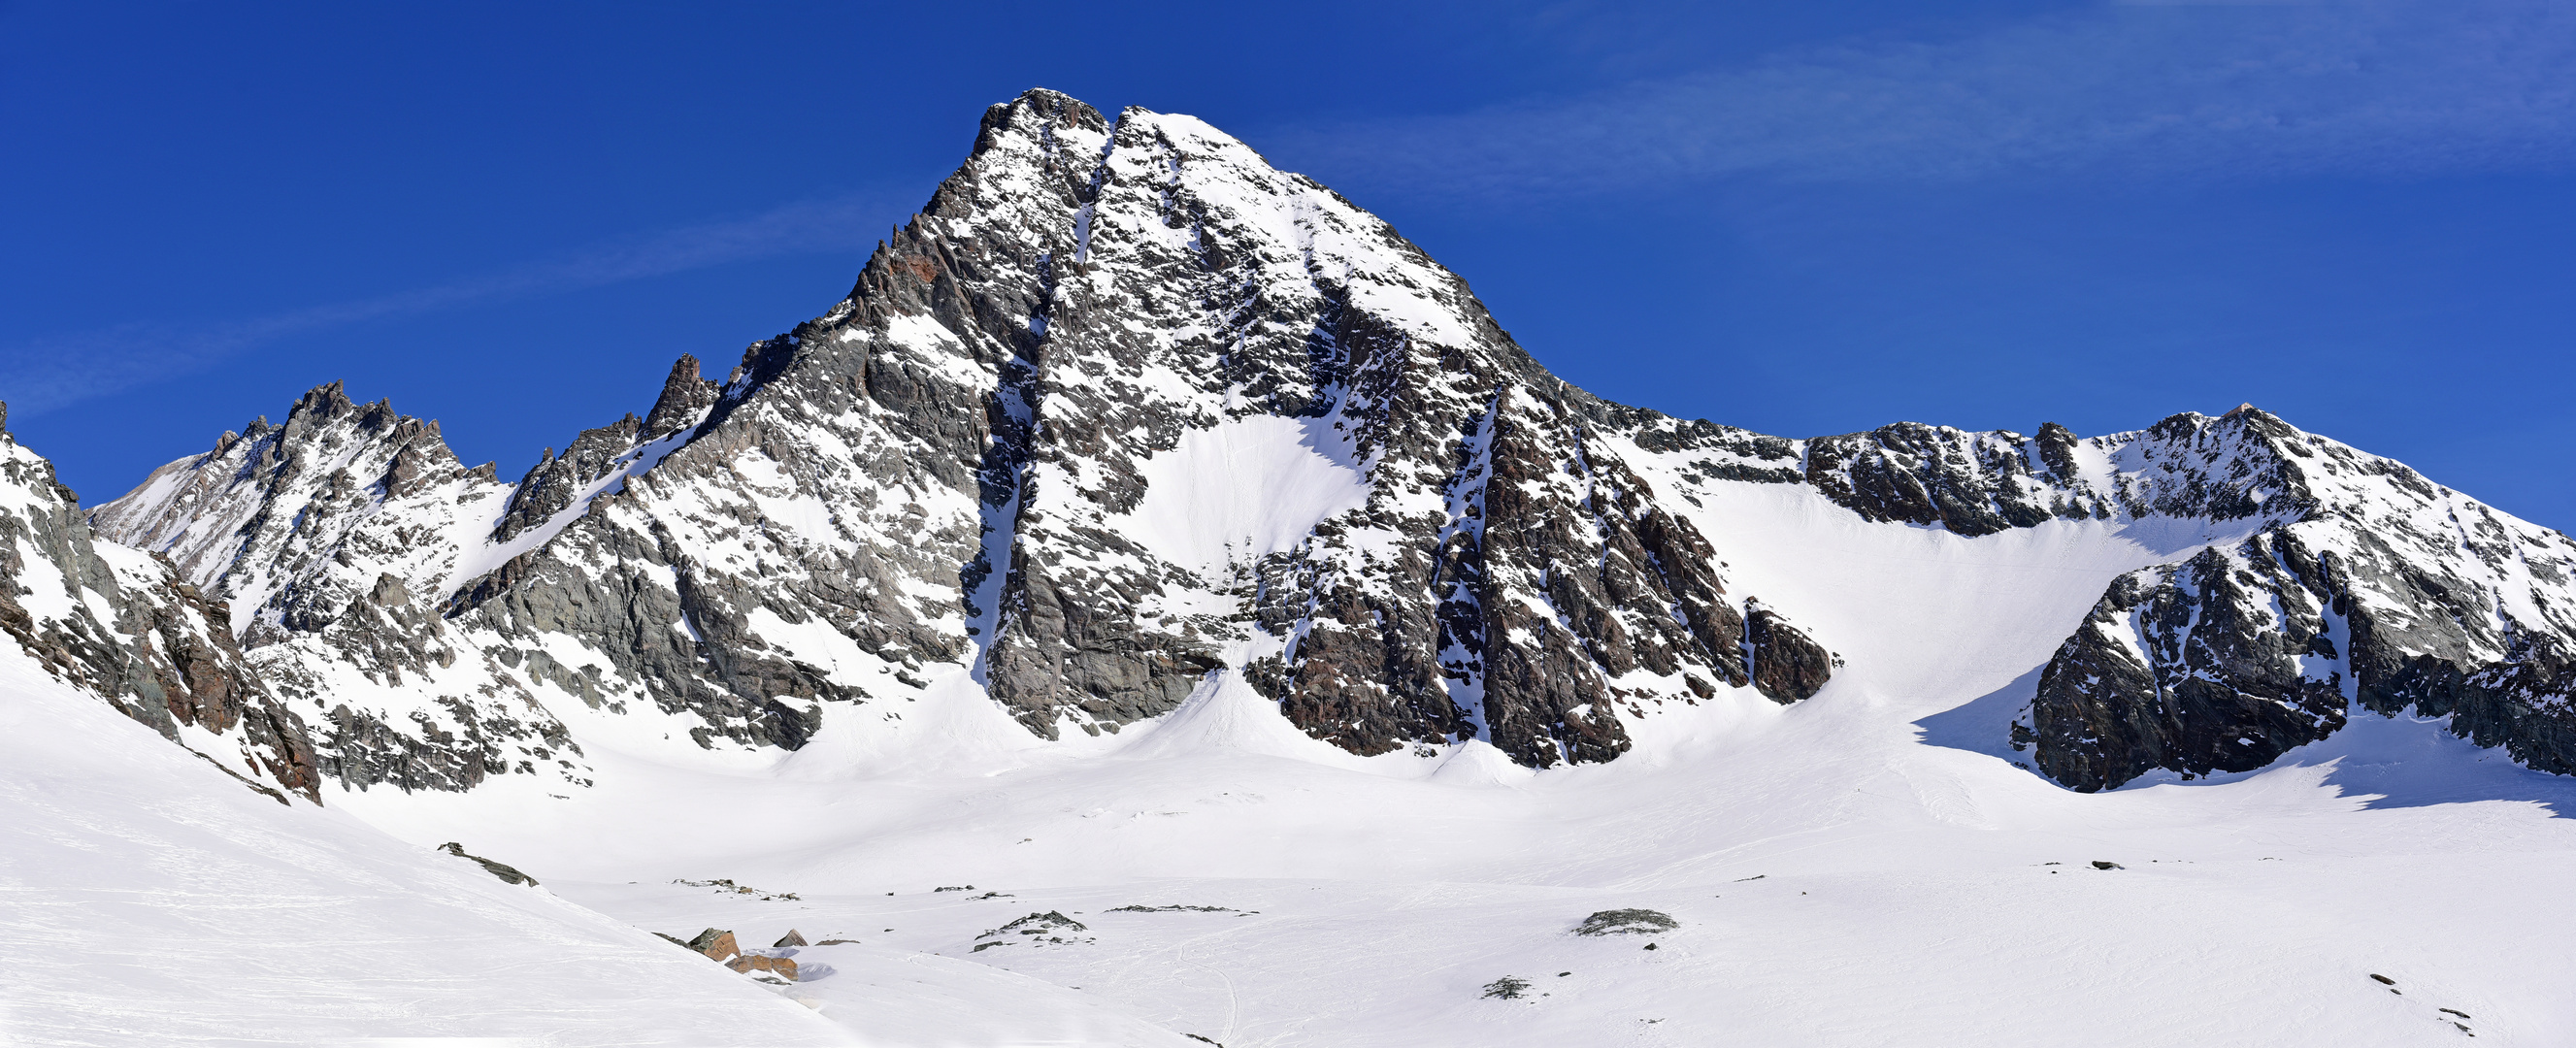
1802,218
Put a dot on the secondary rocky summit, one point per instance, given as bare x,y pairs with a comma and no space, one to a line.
1126,413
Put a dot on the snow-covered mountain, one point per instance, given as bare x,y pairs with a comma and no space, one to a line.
1161,538
1125,407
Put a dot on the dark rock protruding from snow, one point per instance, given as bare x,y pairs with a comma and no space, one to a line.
123,625
1627,922
336,536
552,485
2365,585
2222,689
1787,667
507,874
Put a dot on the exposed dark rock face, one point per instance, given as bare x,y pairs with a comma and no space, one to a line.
1572,553
554,483
1971,483
2237,670
2371,587
685,398
123,625
1627,922
2187,466
1160,300
1787,666
336,534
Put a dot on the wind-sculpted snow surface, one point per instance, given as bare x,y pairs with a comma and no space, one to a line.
1126,415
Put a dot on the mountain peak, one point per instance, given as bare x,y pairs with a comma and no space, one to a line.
1127,418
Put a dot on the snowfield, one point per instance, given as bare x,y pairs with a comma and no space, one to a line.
1852,870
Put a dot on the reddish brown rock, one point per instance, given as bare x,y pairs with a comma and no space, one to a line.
752,962
717,945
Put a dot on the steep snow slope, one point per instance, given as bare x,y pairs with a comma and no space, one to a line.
147,899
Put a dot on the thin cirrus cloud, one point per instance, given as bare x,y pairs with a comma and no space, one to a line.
49,373
2144,90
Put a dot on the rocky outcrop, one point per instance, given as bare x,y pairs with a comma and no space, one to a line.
1627,922
2219,664
716,944
686,397
337,536
508,874
752,962
256,515
2371,589
126,627
2350,584
1787,666
557,481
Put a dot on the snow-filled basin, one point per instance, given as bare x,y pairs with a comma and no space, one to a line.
1243,488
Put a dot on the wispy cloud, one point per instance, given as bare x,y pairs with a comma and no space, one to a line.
49,373
2156,90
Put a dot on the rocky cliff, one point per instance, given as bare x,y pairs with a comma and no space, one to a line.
128,628
2369,587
